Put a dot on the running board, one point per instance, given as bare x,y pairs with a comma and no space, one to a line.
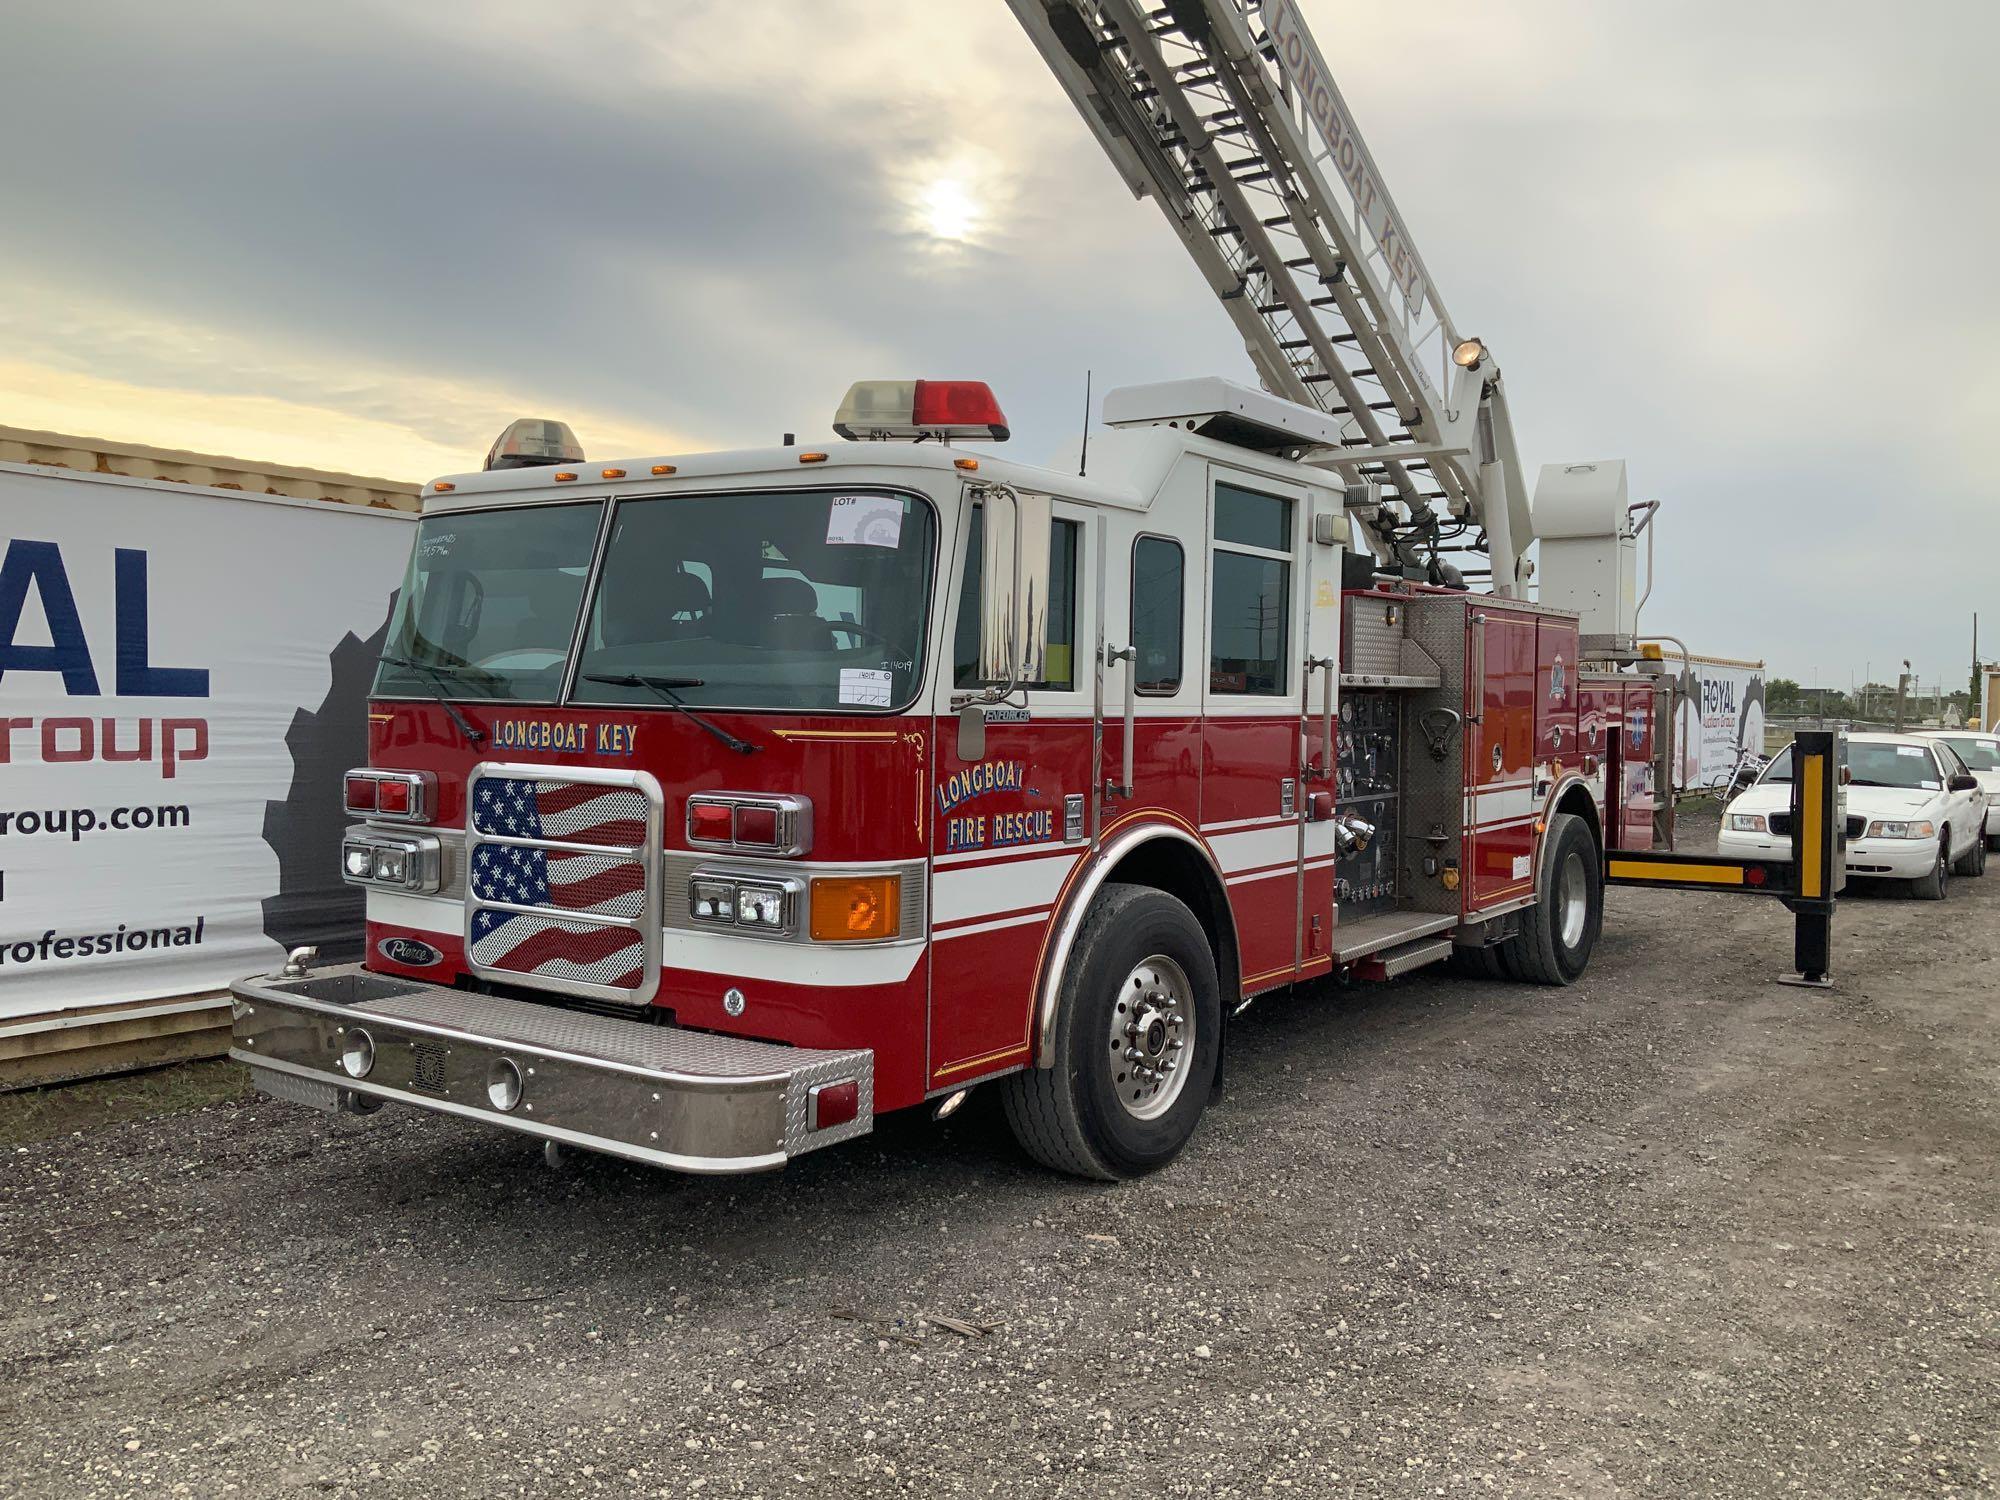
1354,940
1393,961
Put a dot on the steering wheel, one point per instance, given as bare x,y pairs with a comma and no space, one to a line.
524,659
862,632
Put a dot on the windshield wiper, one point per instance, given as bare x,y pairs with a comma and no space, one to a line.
437,679
664,688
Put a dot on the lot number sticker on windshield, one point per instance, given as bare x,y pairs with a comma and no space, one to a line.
864,521
864,687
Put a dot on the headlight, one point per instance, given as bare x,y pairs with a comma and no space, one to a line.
767,905
760,905
1993,799
404,861
1748,823
1889,828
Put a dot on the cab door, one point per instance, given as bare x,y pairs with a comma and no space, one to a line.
1253,712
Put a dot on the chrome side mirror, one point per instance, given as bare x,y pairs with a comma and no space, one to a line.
972,732
1013,586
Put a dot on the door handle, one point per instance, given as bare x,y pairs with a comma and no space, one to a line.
1322,770
1476,689
1130,656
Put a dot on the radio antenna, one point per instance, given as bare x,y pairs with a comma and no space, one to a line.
1083,456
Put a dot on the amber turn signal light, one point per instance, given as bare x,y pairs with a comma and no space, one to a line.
856,908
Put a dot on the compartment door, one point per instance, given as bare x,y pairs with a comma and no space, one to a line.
1500,810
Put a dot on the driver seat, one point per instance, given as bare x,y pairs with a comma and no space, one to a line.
792,619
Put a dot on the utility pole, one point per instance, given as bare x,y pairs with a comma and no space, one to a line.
1902,694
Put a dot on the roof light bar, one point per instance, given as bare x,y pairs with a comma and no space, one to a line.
880,409
532,442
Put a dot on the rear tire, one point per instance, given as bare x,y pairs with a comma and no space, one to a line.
1559,931
1933,887
1140,961
1973,861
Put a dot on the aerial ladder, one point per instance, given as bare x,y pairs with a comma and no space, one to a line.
1226,115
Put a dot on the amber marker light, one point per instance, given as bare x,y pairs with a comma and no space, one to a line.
856,908
613,473
665,469
967,464
563,476
444,487
812,458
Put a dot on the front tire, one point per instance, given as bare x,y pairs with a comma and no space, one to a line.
1559,931
1137,1035
1932,887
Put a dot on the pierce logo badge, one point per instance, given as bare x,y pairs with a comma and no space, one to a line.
409,952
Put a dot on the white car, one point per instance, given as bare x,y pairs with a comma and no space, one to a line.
1913,812
1981,754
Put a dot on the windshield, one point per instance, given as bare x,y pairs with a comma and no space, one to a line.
1978,755
1908,766
799,600
489,603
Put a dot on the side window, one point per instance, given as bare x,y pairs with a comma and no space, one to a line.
1063,537
1250,611
1158,577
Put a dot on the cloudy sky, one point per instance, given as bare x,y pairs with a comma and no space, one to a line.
1748,247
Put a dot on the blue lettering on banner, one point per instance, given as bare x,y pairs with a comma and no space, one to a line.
68,654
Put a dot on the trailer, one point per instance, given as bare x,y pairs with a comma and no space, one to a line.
719,803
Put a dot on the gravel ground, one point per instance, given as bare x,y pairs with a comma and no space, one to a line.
1674,1231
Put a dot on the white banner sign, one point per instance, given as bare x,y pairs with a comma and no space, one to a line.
1721,716
183,679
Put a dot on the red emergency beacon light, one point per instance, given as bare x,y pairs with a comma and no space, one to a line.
876,410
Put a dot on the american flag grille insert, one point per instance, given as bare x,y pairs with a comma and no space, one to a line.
575,812
594,927
600,884
552,948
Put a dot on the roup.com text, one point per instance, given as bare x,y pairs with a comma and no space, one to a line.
77,821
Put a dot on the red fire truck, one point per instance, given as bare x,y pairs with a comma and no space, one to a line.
719,803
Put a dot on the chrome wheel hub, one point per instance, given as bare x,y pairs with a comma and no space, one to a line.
1152,1028
1573,901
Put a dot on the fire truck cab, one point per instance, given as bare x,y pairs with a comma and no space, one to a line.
718,803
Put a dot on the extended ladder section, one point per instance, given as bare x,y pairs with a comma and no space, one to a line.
1224,112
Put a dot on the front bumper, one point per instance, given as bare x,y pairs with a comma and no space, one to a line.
688,1100
1892,859
1881,859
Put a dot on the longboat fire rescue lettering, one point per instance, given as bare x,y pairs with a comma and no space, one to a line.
991,830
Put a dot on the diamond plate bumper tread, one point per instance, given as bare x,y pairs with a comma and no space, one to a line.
688,1100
